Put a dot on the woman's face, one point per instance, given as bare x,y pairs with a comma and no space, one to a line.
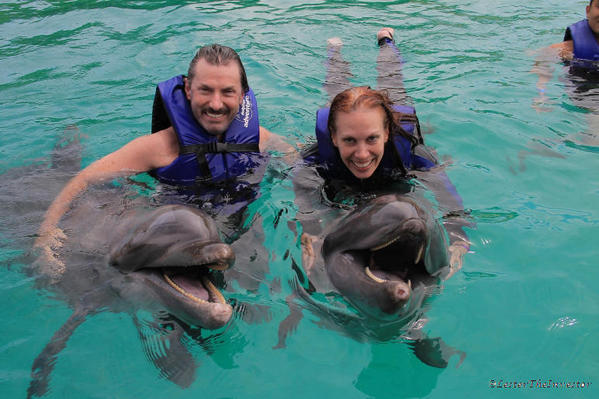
360,137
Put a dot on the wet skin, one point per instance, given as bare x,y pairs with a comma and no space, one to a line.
165,261
171,251
378,252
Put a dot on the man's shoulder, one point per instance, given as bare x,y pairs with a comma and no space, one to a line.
564,50
563,45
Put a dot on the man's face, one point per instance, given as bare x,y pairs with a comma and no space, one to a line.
215,95
593,16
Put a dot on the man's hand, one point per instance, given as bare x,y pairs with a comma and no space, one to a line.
47,243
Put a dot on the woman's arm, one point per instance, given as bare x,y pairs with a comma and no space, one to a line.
450,204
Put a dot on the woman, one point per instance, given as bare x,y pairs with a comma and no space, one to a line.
366,144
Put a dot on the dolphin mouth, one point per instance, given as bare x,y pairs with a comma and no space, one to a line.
195,283
393,260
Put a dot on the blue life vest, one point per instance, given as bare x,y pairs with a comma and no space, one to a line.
328,153
201,158
585,43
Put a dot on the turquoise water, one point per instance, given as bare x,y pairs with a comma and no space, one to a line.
524,307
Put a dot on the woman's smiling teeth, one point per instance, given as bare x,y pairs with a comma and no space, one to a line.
362,165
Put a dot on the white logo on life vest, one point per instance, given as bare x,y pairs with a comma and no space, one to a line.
245,111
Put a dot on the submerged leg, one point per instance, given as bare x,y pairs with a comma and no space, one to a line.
388,65
338,73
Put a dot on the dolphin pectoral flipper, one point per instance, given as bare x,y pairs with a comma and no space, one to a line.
290,322
162,344
435,352
44,362
432,351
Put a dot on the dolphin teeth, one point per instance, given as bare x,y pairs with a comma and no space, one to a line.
379,247
212,290
219,266
181,290
419,256
372,276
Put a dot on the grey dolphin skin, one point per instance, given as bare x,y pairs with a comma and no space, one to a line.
169,253
385,258
123,254
378,252
164,264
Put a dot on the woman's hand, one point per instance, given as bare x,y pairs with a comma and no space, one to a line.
308,256
457,250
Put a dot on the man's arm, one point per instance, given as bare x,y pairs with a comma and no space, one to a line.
543,67
140,155
274,142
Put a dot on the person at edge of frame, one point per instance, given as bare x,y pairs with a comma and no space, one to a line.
579,49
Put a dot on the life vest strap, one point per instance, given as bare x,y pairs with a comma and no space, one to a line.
200,150
216,147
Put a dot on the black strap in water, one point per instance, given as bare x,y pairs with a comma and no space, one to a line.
200,150
215,146
417,131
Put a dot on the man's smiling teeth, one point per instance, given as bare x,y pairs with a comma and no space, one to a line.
214,114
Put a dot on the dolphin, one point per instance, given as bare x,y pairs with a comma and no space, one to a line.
379,253
122,253
170,253
380,262
165,260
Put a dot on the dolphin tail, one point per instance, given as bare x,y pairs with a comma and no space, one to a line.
162,344
44,363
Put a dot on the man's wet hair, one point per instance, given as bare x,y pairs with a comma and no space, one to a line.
215,54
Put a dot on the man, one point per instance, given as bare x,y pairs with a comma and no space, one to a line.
580,52
581,39
581,42
212,103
